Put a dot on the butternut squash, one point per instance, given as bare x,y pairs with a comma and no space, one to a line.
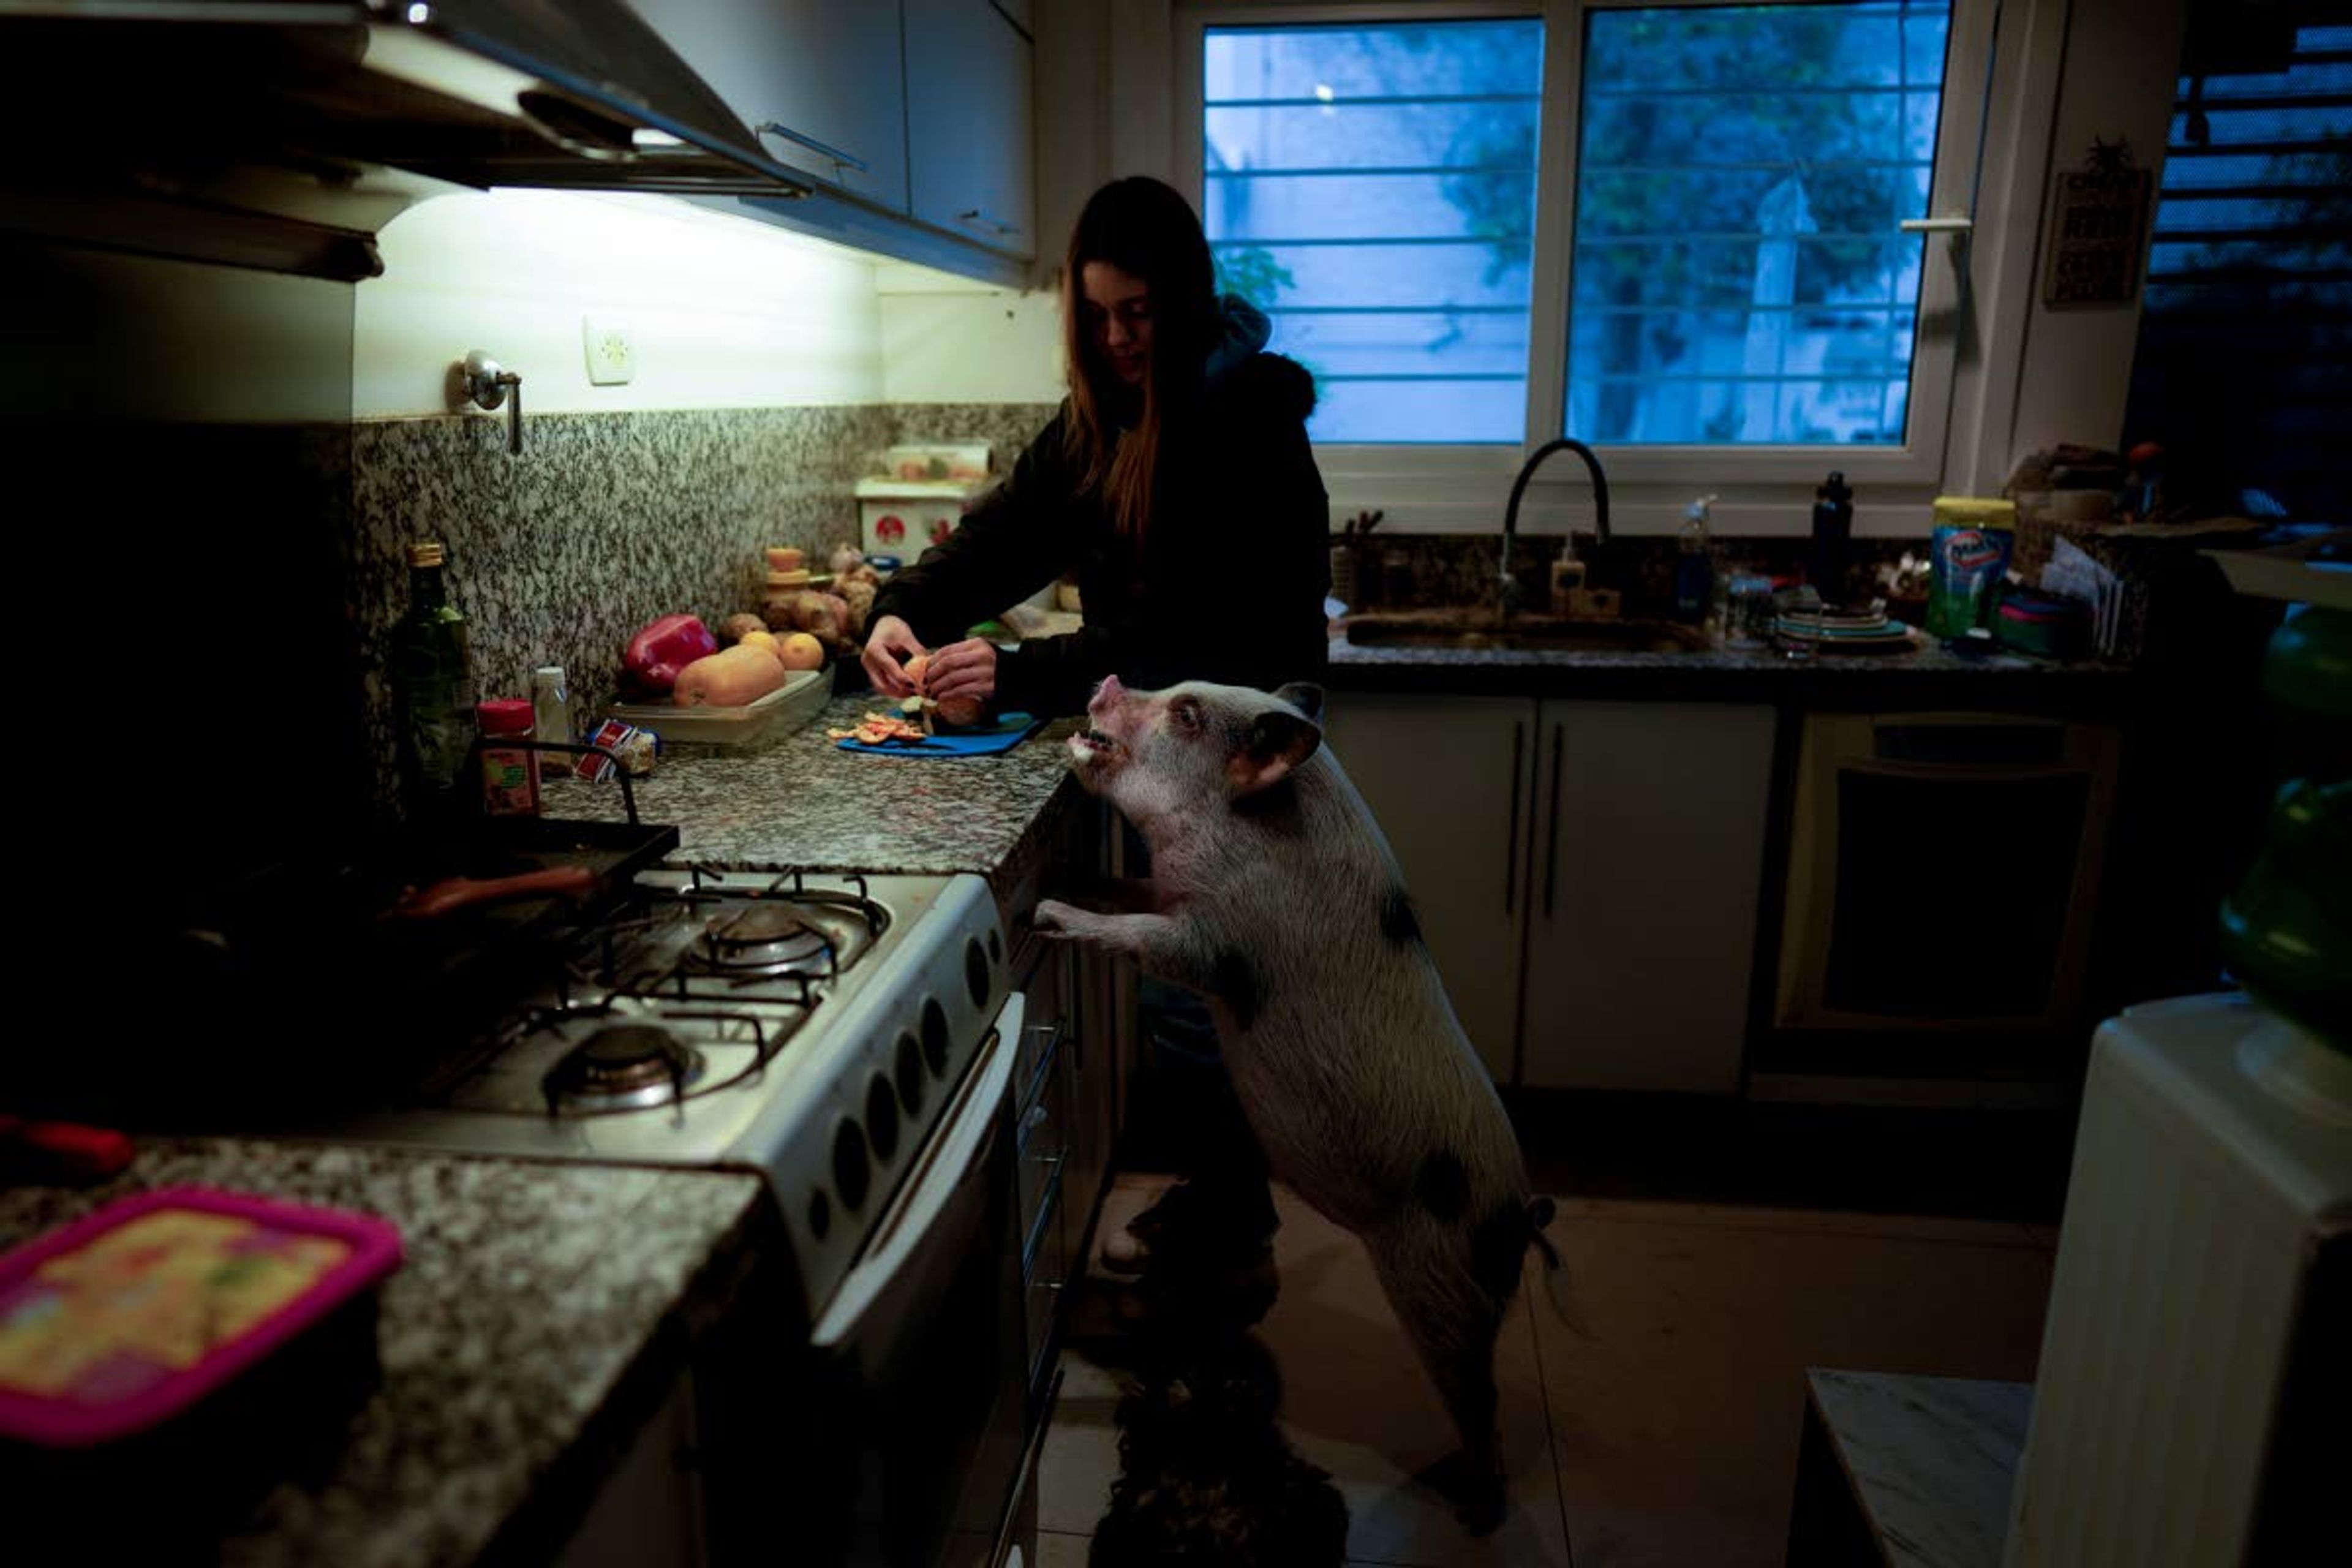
729,679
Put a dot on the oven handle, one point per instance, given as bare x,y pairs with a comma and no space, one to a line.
905,1233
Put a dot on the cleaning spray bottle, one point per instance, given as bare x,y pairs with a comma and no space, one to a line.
1695,565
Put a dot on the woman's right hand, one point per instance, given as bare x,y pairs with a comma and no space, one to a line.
891,641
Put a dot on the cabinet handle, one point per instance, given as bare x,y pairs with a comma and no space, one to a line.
1511,860
841,161
1551,831
978,218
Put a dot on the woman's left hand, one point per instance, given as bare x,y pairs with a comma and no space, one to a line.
967,668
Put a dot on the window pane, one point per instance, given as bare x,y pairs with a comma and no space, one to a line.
1738,273
1372,189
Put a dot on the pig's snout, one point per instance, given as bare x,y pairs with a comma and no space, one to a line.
1108,697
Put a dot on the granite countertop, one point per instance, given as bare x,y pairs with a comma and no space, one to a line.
522,1339
802,803
1930,674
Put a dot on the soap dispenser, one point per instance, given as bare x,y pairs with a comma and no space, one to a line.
1695,565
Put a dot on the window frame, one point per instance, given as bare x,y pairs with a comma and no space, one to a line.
1448,488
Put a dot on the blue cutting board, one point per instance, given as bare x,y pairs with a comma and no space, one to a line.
1009,731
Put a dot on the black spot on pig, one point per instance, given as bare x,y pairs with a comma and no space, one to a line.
1442,1185
1235,984
1499,1247
1398,923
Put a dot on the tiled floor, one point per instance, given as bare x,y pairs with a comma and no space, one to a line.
1669,1438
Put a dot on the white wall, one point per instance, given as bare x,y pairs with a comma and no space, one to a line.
725,312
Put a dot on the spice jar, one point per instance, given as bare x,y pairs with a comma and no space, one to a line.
509,779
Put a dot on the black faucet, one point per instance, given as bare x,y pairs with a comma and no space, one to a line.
1509,587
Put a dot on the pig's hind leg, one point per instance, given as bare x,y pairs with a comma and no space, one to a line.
1436,1282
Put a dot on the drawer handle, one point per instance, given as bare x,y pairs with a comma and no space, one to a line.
842,162
1511,858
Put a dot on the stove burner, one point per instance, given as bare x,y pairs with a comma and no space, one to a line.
767,938
624,1066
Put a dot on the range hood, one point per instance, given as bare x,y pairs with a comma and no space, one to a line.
161,98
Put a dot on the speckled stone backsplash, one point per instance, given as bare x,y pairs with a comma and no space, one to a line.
607,522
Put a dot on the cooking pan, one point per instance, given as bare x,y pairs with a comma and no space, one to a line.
355,976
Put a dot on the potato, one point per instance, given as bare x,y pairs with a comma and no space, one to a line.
963,712
729,679
845,560
735,628
859,597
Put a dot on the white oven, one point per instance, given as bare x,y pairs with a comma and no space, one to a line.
925,1347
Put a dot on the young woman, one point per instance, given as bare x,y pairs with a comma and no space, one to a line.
1176,481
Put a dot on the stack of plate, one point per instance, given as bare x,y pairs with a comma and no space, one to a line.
1839,630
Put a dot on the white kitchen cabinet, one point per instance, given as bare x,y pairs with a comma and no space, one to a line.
1646,870
1449,780
1586,874
970,122
803,71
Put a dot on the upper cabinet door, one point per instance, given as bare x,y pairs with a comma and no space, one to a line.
820,81
969,123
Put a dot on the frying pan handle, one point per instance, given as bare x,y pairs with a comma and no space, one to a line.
464,892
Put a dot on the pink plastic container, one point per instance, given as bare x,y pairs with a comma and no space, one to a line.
113,1326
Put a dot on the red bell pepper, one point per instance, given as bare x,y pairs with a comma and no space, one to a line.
655,655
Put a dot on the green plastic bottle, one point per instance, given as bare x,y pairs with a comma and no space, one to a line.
432,692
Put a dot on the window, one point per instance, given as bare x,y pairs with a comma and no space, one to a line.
1373,189
1740,273
1735,274
2244,366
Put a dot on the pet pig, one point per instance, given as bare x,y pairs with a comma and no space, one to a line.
1274,895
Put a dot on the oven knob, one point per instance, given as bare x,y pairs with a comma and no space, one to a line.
882,1118
850,1170
975,972
908,1065
935,1036
820,1214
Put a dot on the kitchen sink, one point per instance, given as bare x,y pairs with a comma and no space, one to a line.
1480,629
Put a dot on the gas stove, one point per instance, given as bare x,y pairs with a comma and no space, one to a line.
808,1027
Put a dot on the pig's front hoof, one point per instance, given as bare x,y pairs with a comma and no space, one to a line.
1056,920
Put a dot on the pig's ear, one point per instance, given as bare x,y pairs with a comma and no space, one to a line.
1303,695
1277,742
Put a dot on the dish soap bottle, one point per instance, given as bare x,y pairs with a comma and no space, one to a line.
1832,527
1695,565
433,694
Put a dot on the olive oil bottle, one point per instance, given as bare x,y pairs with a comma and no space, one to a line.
433,694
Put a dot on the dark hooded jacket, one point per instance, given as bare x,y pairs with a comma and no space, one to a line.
1229,584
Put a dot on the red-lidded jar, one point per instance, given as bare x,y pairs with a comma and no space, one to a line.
509,779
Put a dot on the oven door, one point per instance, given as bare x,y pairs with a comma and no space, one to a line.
927,1345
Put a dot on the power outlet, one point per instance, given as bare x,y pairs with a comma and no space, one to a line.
612,352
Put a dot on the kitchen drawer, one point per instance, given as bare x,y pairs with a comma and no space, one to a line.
1043,1144
1048,1274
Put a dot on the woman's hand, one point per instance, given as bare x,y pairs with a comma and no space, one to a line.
967,669
890,640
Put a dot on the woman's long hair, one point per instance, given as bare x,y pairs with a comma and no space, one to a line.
1144,227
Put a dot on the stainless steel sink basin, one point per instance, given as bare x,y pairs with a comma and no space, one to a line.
1546,632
